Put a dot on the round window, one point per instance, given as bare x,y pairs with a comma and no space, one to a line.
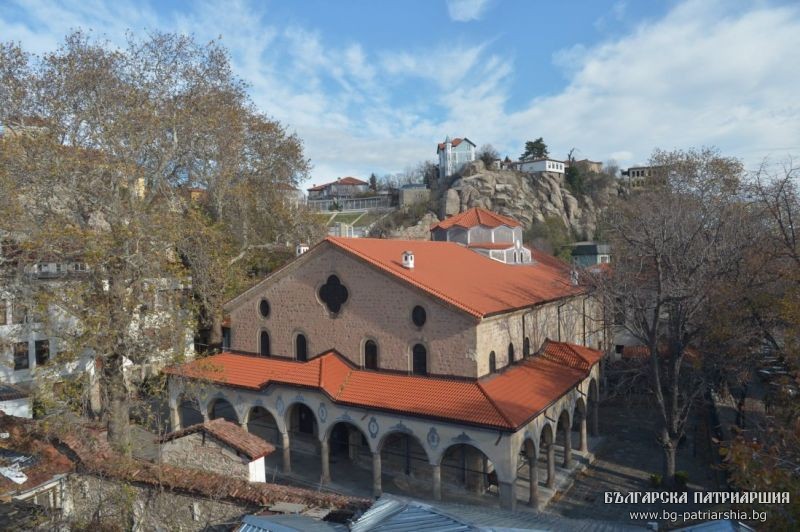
263,308
418,316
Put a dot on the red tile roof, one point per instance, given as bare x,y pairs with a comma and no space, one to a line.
461,277
491,245
229,433
476,216
341,181
506,400
454,143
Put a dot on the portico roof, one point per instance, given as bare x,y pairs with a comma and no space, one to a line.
507,400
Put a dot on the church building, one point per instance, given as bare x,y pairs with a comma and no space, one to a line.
451,362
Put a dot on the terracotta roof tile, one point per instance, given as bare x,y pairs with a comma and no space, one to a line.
229,433
341,181
476,216
491,245
468,280
454,143
504,401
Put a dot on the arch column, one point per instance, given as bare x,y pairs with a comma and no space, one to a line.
593,413
436,472
174,417
376,474
567,445
287,452
326,465
584,441
533,477
508,499
551,464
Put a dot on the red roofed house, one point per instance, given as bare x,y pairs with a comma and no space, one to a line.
454,155
344,187
437,360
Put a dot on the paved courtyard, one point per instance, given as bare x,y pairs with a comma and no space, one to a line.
624,461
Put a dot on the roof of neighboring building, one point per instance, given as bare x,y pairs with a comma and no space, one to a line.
287,523
340,181
229,433
401,514
9,392
506,400
454,143
642,351
590,248
463,278
474,217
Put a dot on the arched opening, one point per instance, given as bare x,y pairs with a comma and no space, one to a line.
528,473
492,362
221,408
261,423
303,441
301,348
419,360
547,455
405,459
370,355
526,347
263,344
511,353
465,469
189,412
564,438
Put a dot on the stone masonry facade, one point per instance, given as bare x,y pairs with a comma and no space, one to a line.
202,451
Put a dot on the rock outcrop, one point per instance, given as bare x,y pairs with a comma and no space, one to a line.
525,197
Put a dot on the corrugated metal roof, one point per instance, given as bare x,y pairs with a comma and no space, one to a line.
287,523
393,514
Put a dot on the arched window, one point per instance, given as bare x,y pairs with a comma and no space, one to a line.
492,362
263,308
510,353
370,355
526,347
334,294
419,360
263,344
301,348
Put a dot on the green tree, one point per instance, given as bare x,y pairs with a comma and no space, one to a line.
373,182
535,149
552,236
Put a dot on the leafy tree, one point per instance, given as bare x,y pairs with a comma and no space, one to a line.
158,178
677,251
373,182
535,149
488,155
552,236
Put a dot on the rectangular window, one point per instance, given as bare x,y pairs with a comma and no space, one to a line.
21,356
18,313
618,348
3,312
42,352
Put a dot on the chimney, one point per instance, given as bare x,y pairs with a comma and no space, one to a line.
300,249
408,260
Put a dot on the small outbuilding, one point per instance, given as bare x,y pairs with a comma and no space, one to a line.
218,446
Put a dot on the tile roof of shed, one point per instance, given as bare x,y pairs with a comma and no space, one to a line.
464,278
506,400
229,433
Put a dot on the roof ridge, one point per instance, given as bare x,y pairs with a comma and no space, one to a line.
494,405
339,241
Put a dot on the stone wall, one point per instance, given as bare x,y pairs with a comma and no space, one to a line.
89,499
202,451
378,308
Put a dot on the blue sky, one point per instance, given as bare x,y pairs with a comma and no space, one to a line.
372,86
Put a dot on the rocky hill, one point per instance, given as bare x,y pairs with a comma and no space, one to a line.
525,197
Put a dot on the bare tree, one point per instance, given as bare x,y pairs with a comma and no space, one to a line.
488,155
150,165
676,248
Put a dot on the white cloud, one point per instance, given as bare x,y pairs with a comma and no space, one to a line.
466,10
707,73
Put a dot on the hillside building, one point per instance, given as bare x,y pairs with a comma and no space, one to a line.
454,155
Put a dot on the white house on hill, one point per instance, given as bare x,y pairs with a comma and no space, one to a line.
454,154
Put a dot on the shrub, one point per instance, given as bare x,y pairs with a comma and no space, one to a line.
655,480
681,479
